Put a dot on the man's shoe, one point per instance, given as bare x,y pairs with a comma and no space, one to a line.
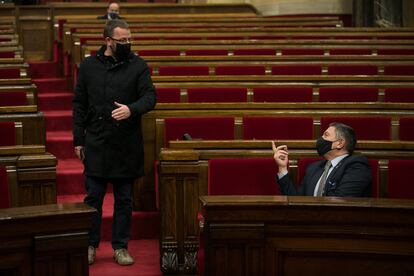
122,257
91,254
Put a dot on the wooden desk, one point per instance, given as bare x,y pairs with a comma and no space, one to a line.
290,236
45,240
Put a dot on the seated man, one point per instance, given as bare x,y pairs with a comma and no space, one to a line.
339,174
112,12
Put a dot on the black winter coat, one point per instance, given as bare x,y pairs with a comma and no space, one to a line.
113,148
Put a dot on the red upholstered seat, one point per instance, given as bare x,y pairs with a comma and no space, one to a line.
183,71
350,51
399,180
267,37
401,70
168,95
225,94
242,176
248,52
348,94
277,127
303,163
297,70
159,52
4,188
342,69
207,128
13,98
8,134
240,70
224,38
407,129
400,52
7,54
206,52
366,128
181,38
311,52
9,73
399,95
282,94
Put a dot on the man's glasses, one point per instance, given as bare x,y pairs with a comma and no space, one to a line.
122,41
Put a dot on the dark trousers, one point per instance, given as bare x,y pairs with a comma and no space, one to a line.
121,224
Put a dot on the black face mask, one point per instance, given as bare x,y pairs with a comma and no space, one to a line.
323,146
122,51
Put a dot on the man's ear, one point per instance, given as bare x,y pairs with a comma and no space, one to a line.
341,144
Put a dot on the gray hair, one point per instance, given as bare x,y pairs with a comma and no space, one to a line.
347,133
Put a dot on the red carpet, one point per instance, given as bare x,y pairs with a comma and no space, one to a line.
55,101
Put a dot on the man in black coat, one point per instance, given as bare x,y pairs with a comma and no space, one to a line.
114,89
339,174
112,12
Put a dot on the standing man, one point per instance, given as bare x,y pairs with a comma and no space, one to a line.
114,89
112,12
339,174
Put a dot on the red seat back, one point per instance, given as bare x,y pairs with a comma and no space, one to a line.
9,73
401,52
350,51
348,94
296,70
7,54
252,52
206,52
366,128
400,70
277,128
212,95
240,70
168,95
8,134
310,52
282,94
407,129
207,128
183,71
159,52
399,95
242,176
399,180
352,69
13,98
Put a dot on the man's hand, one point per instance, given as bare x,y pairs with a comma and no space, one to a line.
121,113
79,152
281,156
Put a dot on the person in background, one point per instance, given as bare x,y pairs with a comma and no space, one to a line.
340,173
114,89
112,12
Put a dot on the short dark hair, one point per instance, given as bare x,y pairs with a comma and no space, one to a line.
346,132
112,24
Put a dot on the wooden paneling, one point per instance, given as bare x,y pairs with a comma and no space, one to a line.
307,236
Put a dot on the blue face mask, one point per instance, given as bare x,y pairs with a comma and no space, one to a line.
323,146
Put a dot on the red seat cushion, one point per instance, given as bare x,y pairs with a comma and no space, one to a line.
4,188
168,95
206,52
399,183
348,94
311,52
366,128
13,98
352,69
248,52
7,54
401,52
8,134
297,70
9,73
277,127
159,52
212,95
207,128
242,176
282,94
348,51
240,70
401,70
399,95
407,129
183,71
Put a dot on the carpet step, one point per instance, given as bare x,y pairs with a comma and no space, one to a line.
44,69
146,255
48,85
55,101
58,120
145,225
60,144
69,177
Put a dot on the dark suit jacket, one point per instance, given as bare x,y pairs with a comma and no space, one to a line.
351,178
